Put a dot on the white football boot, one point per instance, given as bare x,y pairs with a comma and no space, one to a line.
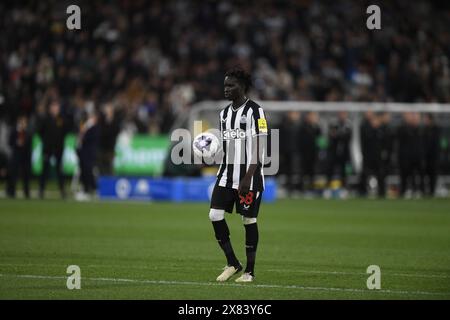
246,277
228,272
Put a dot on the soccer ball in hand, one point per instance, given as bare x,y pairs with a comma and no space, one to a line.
205,145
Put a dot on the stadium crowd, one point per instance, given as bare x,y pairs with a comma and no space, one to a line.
410,149
136,65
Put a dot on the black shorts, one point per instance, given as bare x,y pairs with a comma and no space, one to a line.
225,198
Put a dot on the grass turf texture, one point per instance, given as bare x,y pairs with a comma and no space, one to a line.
308,249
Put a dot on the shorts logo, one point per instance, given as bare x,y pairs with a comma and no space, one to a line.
248,199
262,125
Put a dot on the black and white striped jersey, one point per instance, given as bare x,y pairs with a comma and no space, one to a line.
237,127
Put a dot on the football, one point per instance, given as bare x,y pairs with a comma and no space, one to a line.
205,145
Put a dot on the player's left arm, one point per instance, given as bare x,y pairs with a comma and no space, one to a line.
259,145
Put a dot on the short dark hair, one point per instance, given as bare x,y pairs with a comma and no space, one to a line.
242,76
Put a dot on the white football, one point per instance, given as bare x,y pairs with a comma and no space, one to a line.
205,145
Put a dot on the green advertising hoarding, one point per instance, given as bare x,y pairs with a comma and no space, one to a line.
137,155
141,155
70,160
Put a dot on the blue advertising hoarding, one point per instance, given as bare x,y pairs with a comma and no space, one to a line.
166,189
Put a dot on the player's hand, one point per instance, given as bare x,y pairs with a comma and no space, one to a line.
244,186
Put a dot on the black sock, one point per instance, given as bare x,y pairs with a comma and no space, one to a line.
251,243
223,238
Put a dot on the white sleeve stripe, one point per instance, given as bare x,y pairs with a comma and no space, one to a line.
261,113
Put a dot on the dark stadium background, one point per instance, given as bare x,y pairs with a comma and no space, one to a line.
154,59
154,62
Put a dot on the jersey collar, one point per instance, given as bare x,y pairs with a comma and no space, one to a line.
231,105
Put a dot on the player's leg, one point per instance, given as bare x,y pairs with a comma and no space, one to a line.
13,172
26,171
251,243
220,202
60,173
330,169
222,234
44,174
432,174
342,165
403,179
249,209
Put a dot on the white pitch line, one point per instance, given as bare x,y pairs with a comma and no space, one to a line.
271,286
411,275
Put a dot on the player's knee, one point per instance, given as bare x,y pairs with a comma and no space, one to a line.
246,220
216,214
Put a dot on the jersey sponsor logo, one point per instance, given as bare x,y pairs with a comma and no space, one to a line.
262,125
231,134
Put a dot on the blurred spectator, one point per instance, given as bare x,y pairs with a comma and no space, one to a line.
364,129
339,136
308,134
53,128
20,161
4,149
289,151
146,118
387,138
410,152
431,143
371,152
87,145
109,127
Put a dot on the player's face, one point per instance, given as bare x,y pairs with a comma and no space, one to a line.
232,89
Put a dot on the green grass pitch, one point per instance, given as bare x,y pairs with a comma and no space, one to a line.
308,249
